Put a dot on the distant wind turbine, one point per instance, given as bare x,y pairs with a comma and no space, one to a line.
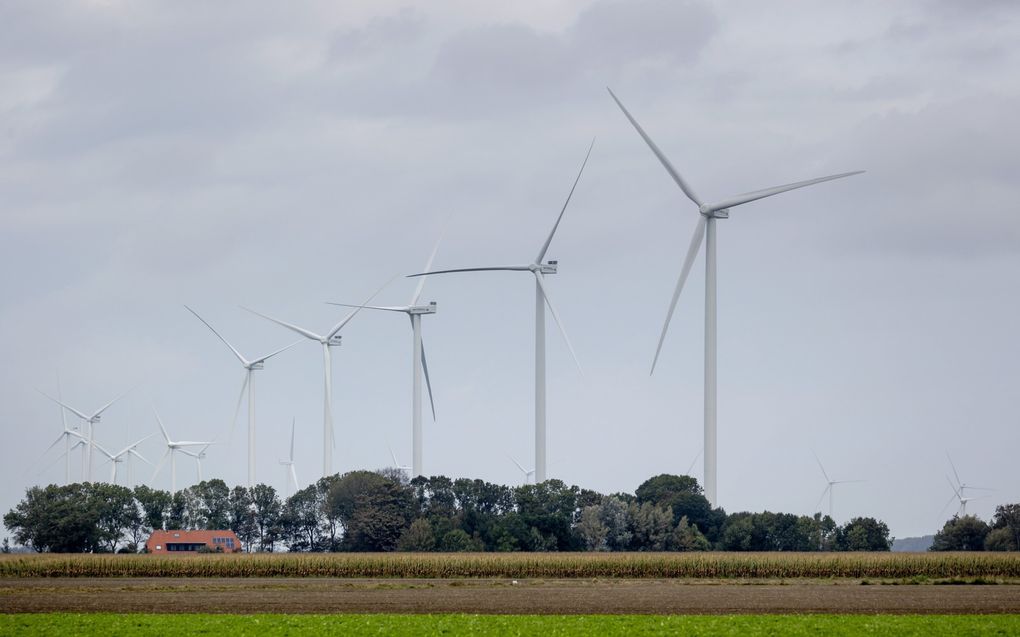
960,490
291,479
124,456
829,484
250,366
415,310
327,340
705,230
199,456
529,474
539,270
66,436
172,447
90,420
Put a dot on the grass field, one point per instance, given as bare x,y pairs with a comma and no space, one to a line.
524,565
419,625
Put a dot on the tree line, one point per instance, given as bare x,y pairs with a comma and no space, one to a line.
384,511
971,533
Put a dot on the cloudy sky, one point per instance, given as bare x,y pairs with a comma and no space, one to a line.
156,154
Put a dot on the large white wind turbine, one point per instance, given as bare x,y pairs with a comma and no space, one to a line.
327,340
705,230
415,310
90,420
124,456
248,384
539,270
291,479
829,486
172,447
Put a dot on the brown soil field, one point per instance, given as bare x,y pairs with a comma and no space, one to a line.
533,596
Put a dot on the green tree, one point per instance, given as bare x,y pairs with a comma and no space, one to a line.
592,530
56,519
965,533
687,537
650,526
211,502
458,541
613,513
373,510
1007,522
863,534
155,505
683,495
265,510
113,510
242,517
418,537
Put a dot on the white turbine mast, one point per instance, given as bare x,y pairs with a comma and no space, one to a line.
829,485
705,230
291,477
419,365
247,385
327,340
90,420
539,269
66,436
172,447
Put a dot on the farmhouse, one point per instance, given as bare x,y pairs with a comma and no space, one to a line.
192,541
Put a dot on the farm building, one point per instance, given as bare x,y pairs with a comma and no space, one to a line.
192,541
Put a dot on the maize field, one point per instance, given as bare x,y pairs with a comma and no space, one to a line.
523,565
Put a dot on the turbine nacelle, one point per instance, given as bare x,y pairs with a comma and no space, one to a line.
422,309
549,267
256,366
333,341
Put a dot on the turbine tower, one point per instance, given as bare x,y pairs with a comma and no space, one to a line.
829,485
419,366
91,420
289,463
248,384
172,447
705,230
327,340
539,270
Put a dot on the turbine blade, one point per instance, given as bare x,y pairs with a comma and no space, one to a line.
293,475
339,326
290,326
67,407
162,462
55,443
559,323
693,462
826,491
514,460
396,464
514,268
545,246
237,407
140,457
658,153
946,505
63,412
953,487
110,404
263,359
161,427
958,481
827,479
389,308
692,253
428,381
775,190
428,266
219,336
293,424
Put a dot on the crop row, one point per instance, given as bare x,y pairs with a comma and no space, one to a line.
522,565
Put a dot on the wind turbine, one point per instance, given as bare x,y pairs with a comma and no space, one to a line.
78,443
415,310
705,230
124,456
529,474
539,270
289,463
960,489
91,420
830,483
250,366
65,436
172,447
396,463
199,456
327,340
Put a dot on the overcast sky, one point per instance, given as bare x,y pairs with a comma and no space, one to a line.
279,155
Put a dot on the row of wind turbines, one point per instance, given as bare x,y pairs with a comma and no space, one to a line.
705,231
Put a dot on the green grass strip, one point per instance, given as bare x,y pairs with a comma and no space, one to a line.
109,624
